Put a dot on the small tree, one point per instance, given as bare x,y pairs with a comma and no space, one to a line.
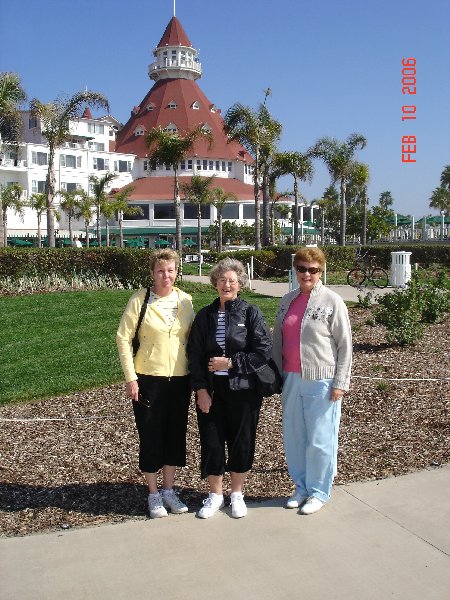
99,198
198,193
70,204
219,197
39,204
121,206
12,198
84,211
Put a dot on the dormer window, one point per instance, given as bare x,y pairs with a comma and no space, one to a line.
150,107
213,108
172,104
196,105
171,128
135,110
206,128
140,130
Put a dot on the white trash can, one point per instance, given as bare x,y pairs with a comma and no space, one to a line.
400,268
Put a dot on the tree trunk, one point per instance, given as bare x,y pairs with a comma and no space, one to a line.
3,239
176,200
220,244
5,227
364,220
99,235
50,191
343,213
272,221
70,227
257,206
107,232
295,215
39,234
121,229
199,233
86,230
322,232
266,211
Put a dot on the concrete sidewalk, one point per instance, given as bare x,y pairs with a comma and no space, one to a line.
374,540
269,288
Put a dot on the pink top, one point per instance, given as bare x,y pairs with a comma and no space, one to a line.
291,334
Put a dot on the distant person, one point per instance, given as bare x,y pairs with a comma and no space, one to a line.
157,378
229,341
76,243
313,348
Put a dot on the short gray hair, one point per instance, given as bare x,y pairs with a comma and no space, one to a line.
229,264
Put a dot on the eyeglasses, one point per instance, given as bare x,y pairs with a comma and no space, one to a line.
312,270
230,281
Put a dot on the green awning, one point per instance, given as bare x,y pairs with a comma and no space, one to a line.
149,230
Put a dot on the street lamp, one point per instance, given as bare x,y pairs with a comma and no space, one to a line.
442,224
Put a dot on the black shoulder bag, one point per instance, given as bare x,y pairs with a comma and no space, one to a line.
135,343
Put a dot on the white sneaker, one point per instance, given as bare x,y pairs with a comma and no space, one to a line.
311,506
296,500
155,506
210,506
171,500
238,507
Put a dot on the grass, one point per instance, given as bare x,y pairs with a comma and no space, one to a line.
60,343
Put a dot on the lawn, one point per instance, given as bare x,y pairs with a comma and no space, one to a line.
54,344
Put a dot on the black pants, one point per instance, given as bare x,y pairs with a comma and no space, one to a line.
162,425
232,421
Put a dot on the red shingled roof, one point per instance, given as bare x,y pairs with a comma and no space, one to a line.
161,188
174,35
184,92
87,113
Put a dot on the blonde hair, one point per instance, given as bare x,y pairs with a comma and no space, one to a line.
228,264
310,255
166,255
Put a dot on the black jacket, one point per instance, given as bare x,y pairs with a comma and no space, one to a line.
247,342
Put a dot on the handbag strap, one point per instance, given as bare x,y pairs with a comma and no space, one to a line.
142,313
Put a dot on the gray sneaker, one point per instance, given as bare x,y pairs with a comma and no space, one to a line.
171,500
155,506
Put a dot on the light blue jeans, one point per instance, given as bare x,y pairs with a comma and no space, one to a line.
310,432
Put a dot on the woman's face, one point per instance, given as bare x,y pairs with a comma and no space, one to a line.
228,286
164,275
306,279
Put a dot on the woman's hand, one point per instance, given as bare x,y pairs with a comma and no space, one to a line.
336,394
203,400
218,363
132,390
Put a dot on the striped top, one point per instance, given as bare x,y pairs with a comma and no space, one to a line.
220,337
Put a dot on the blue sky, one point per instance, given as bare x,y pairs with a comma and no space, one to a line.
334,69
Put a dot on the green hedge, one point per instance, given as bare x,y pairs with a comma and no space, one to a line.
131,266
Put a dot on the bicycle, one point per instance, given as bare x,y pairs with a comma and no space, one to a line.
366,269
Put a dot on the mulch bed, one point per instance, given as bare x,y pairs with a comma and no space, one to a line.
81,468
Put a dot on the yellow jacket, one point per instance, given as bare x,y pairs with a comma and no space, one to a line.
162,351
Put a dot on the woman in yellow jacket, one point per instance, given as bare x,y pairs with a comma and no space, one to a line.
157,378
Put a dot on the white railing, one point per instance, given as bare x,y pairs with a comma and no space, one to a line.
9,162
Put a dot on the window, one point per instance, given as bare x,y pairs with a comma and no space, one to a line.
196,105
101,164
96,146
146,165
230,166
191,211
217,165
139,130
39,158
122,166
213,108
172,104
206,128
205,165
172,128
70,161
230,211
211,165
164,211
249,211
223,166
32,122
150,107
70,187
199,165
189,164
143,216
183,165
96,128
37,187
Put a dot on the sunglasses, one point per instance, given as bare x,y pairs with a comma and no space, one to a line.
312,270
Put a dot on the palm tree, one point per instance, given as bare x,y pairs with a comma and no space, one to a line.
11,96
301,168
121,206
445,177
169,148
55,120
197,192
38,203
12,198
339,159
85,212
440,199
98,187
219,197
258,132
358,185
70,205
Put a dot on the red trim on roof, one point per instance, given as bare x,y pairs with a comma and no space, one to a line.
161,188
87,113
174,35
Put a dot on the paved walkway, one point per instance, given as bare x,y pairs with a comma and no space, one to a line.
269,288
373,541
